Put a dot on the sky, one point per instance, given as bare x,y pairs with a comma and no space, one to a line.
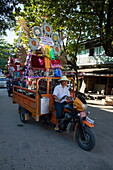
10,36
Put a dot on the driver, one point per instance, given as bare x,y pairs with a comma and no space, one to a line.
60,91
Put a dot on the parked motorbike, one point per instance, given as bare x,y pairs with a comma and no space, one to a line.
77,120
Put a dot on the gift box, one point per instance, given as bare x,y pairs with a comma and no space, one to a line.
37,61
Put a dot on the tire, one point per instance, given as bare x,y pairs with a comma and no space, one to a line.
89,142
22,113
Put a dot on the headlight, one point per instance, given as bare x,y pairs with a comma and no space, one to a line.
84,106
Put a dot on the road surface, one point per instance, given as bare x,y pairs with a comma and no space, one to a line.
34,146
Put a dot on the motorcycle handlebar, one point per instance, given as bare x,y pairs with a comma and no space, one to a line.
67,97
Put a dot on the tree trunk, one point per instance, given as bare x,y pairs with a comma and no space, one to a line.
107,43
108,47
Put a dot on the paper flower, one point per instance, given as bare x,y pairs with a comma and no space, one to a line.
41,61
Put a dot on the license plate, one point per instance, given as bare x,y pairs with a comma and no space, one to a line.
90,120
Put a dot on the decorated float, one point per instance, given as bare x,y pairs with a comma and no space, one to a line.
44,58
42,68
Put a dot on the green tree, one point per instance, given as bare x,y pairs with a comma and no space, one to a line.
6,51
94,18
7,18
80,20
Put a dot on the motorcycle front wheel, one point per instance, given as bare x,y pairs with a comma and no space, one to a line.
89,142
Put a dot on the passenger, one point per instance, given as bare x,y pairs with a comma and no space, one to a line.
60,91
24,82
16,82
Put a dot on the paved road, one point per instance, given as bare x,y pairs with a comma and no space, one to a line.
36,147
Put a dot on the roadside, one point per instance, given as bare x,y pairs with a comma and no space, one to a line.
99,104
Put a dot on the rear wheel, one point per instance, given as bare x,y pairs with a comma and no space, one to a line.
22,113
89,142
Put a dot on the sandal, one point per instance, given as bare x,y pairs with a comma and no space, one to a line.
56,128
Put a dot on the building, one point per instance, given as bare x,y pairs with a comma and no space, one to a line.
97,70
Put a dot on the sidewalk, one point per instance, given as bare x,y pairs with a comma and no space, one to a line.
99,104
95,102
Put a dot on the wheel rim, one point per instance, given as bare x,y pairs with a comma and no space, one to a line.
86,140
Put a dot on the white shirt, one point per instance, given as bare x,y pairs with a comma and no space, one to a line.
59,91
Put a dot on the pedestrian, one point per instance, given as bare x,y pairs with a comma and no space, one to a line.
60,91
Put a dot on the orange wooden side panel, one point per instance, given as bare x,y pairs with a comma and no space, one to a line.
31,104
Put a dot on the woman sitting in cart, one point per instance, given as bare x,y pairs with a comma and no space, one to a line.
60,91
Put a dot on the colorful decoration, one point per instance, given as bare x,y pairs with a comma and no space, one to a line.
37,62
47,28
55,37
45,40
47,51
55,64
37,31
41,61
56,49
21,54
33,43
52,55
47,62
57,72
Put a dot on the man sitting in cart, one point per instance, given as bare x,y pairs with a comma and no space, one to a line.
60,91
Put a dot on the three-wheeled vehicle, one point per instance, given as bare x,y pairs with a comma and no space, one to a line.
39,104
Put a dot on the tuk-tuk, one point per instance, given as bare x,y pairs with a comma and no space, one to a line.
39,104
39,101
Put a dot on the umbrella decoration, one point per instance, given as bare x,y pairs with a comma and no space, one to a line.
47,28
21,54
33,43
37,31
56,49
55,37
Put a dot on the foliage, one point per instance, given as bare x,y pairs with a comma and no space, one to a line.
78,19
6,51
85,19
7,18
